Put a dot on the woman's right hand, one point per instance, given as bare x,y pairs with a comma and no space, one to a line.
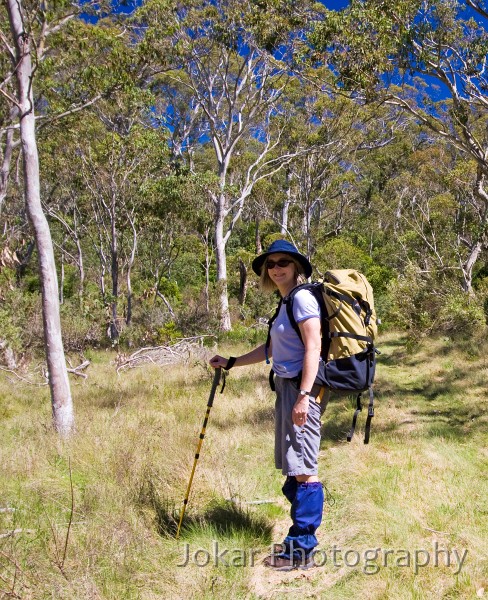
218,361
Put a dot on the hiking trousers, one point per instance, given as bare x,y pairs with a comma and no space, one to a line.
296,453
296,447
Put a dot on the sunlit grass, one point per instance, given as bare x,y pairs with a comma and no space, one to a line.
419,485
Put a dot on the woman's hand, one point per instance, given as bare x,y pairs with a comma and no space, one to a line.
218,361
300,411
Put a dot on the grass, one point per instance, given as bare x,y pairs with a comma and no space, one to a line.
417,491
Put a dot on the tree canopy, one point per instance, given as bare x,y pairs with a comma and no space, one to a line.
177,139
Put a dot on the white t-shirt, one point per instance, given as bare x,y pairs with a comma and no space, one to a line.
288,349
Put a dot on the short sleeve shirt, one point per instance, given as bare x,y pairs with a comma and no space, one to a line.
288,349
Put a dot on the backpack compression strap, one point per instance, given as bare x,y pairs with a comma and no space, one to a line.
359,408
364,338
357,304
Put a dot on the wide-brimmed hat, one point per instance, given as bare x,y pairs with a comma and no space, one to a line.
286,248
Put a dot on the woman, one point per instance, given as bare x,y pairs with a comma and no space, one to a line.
297,411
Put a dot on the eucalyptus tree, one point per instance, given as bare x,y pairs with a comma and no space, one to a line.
37,87
214,51
21,49
374,47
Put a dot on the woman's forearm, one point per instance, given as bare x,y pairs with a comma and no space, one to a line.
252,357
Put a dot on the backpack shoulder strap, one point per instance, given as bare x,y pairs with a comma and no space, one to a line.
288,300
270,324
316,290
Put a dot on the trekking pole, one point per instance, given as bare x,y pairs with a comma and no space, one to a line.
215,383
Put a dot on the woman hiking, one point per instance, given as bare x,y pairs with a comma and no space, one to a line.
297,409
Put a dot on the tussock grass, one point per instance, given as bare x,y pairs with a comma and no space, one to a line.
419,485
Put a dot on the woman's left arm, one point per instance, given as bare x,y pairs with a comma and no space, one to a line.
310,330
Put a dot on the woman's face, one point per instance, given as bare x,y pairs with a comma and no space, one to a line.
283,271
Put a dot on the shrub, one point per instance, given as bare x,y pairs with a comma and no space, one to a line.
424,303
461,314
81,329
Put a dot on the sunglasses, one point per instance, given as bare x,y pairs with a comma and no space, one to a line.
282,263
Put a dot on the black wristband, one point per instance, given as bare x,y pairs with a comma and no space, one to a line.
230,363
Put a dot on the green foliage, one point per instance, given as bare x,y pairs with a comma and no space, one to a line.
82,329
32,284
375,192
423,303
169,288
462,315
481,287
71,279
254,335
18,309
168,334
340,253
379,277
10,332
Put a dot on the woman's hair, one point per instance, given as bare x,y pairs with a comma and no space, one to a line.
266,283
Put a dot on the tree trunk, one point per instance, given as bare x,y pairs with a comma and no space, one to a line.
132,257
61,282
468,265
257,237
206,240
476,246
81,270
7,158
242,283
81,267
286,205
62,406
114,330
221,260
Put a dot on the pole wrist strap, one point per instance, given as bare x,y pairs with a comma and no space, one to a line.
230,363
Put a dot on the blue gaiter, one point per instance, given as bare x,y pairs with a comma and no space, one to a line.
306,514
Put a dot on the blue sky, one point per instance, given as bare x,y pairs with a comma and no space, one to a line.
335,4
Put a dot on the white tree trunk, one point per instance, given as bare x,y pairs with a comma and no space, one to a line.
286,205
221,263
62,406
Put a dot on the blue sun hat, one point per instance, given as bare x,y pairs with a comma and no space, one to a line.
286,248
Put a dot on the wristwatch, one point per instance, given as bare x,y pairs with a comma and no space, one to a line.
304,393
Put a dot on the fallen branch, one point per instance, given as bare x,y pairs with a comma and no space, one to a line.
24,379
180,352
77,370
15,532
435,531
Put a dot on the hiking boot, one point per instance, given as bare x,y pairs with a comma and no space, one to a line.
280,562
305,563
